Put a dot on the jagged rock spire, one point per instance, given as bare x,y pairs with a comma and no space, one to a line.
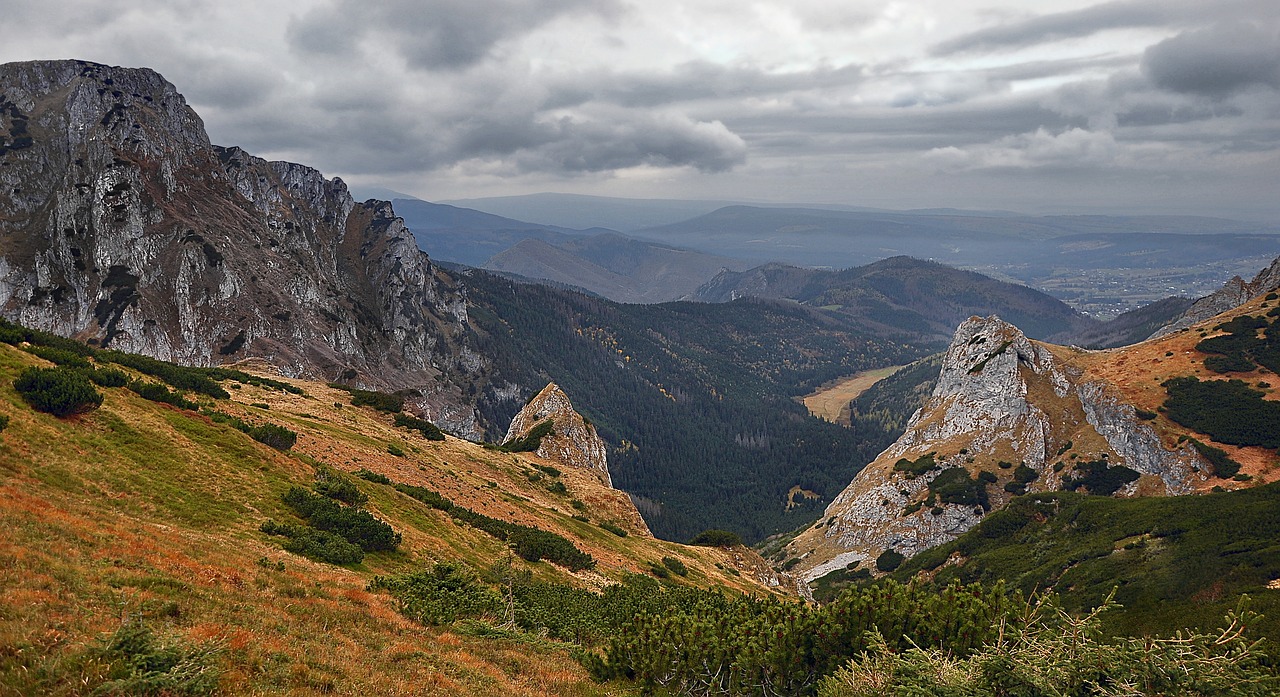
573,441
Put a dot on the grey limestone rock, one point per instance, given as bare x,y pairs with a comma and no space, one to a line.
121,224
572,442
1002,397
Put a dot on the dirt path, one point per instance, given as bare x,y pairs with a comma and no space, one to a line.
831,401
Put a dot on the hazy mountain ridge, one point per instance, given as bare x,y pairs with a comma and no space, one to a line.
902,296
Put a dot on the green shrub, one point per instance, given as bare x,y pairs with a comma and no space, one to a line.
320,545
611,527
1050,652
426,428
334,485
108,377
59,356
1223,466
1025,475
915,468
354,525
659,570
716,538
275,436
156,392
58,391
1233,363
4,421
889,560
531,440
530,543
380,401
443,594
196,380
372,476
140,664
1229,411
395,450
676,566
954,486
1099,478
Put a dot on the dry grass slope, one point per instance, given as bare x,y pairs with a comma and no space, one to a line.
143,512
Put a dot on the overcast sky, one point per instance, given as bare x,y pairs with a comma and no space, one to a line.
1048,106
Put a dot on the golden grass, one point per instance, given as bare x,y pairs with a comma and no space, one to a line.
831,401
141,510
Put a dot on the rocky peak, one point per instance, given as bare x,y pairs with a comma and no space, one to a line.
122,225
1231,295
1011,414
572,441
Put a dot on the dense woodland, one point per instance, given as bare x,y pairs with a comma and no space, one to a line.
696,401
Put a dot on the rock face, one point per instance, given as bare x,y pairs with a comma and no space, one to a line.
121,224
572,440
1005,406
1230,296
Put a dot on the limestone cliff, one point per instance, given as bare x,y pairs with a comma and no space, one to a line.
1008,415
572,441
121,224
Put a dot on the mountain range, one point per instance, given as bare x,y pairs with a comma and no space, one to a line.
241,409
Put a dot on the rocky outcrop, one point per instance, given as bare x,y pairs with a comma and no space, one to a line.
1014,415
1231,295
121,224
572,440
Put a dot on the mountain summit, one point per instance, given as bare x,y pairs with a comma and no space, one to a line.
127,228
1008,416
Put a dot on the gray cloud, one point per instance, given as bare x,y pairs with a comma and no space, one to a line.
1117,14
826,100
1217,60
431,34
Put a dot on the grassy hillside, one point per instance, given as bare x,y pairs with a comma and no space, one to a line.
140,517
1173,562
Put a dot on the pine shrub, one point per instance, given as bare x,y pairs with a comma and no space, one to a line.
58,391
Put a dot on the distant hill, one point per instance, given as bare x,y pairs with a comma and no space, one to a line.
582,212
614,266
1102,265
470,237
902,296
816,237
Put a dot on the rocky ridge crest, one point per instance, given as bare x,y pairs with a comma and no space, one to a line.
124,226
1003,404
1231,295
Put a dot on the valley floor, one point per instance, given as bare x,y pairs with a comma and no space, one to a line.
831,401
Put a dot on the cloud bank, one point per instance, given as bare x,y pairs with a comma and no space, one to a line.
1144,105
